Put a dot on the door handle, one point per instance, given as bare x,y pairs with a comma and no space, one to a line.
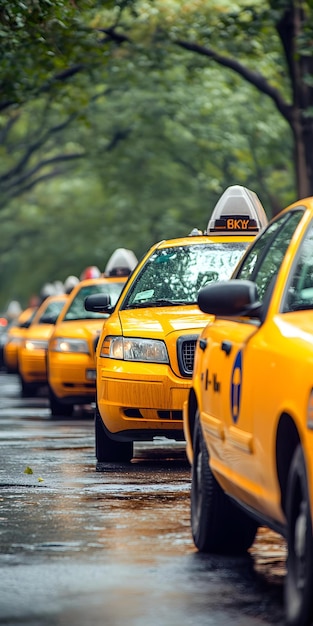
226,347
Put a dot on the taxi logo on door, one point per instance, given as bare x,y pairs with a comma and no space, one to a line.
235,394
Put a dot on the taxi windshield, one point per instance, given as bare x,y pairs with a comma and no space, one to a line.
77,311
51,312
173,276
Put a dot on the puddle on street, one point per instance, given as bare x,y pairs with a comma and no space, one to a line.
269,552
109,544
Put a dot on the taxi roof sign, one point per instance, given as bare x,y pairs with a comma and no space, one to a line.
120,259
238,210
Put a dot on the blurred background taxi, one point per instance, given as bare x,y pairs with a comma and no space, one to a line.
32,350
71,350
12,338
146,350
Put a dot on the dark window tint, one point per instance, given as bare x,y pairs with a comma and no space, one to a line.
263,261
77,311
52,312
299,290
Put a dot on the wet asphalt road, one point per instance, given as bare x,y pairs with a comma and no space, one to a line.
110,545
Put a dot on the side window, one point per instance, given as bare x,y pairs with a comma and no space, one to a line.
265,258
299,291
251,261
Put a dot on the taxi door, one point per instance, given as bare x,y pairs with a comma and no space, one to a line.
236,371
225,396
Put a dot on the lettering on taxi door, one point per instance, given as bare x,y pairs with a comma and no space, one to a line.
216,386
235,390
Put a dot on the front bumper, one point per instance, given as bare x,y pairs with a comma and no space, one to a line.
146,400
32,366
72,376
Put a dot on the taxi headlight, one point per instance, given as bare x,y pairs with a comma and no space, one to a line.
36,344
134,349
67,344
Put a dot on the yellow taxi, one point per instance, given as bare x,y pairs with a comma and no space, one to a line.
71,350
248,420
146,349
14,339
32,367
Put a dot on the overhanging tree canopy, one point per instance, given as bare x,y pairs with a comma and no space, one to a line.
114,88
269,44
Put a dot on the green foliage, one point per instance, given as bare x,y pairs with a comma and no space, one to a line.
45,42
119,137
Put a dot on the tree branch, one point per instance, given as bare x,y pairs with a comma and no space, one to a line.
118,136
14,171
113,35
254,78
61,158
20,190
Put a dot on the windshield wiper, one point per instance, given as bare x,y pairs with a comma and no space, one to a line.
155,303
302,306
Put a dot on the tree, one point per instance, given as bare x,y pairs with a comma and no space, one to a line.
43,45
245,40
54,50
293,21
112,133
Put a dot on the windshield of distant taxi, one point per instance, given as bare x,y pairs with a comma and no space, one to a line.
77,311
174,275
51,311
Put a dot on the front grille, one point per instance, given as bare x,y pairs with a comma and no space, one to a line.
91,385
186,347
162,415
170,415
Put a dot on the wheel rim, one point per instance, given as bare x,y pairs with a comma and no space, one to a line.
298,588
300,532
199,476
197,491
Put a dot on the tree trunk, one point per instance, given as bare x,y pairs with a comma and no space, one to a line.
291,27
303,140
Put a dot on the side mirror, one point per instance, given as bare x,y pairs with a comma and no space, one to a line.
25,324
49,319
99,303
230,298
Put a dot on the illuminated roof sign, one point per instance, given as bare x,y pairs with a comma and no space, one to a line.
121,259
238,210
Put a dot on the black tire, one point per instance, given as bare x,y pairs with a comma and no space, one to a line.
299,578
108,450
58,408
218,526
28,390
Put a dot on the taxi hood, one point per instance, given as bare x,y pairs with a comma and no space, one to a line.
39,331
78,329
158,323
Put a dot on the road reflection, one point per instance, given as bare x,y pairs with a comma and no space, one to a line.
108,544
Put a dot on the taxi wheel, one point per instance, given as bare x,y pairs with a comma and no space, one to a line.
28,390
59,408
109,450
218,526
299,579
